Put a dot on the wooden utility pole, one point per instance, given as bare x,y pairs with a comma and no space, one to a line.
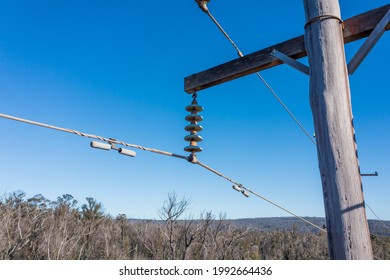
347,227
325,35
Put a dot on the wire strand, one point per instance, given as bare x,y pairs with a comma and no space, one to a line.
379,219
258,195
109,140
286,108
240,54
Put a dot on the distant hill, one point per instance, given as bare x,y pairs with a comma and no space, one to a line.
381,228
287,223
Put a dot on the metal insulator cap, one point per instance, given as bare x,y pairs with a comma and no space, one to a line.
194,127
193,138
194,118
193,149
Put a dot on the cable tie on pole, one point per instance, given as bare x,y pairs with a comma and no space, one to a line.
323,17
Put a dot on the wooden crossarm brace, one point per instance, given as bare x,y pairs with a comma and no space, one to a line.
355,28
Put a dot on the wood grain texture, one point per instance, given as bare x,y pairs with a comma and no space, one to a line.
348,234
355,28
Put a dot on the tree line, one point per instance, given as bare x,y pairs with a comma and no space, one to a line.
35,228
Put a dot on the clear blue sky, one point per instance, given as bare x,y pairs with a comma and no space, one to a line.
116,69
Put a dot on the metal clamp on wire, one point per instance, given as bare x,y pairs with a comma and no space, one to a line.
203,5
112,141
192,158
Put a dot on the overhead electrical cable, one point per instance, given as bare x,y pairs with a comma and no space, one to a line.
108,140
259,196
203,6
379,219
111,140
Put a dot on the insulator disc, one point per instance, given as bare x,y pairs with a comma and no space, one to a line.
194,107
191,149
194,127
194,118
193,137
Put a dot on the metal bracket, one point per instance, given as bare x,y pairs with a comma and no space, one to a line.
112,143
290,61
370,174
368,44
192,158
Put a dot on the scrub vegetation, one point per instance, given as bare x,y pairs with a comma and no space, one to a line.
36,228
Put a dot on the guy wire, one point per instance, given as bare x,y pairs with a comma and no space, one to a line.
240,54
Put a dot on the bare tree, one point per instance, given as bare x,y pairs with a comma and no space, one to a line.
171,211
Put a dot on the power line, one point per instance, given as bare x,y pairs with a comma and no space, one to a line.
188,158
109,140
258,195
204,8
383,223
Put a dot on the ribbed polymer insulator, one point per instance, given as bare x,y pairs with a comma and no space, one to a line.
193,127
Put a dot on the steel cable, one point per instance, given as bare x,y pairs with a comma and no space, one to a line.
240,54
258,195
111,140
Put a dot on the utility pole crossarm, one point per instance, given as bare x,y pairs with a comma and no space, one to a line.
355,28
249,64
